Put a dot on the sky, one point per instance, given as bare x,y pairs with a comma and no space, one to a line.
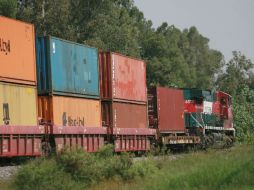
229,24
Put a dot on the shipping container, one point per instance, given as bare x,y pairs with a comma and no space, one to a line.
122,77
124,115
18,105
69,111
166,109
17,52
65,67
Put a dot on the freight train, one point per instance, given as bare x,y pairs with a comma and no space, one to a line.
56,93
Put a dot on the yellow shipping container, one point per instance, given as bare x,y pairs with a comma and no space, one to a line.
18,104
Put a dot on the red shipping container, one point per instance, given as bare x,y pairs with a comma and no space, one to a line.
166,109
124,115
122,77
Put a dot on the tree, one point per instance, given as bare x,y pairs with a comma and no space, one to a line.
174,57
51,17
203,61
238,73
237,80
8,8
243,110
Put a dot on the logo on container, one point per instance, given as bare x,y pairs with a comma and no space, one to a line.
69,121
5,46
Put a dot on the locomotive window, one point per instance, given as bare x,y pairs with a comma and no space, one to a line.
223,101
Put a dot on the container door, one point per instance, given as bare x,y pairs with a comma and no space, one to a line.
170,107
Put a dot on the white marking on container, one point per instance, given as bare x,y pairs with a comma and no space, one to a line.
54,47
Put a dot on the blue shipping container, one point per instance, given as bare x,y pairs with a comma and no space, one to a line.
66,68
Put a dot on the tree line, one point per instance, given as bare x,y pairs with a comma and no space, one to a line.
174,57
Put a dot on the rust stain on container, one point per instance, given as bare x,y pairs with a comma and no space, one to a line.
166,109
124,115
18,105
122,77
69,111
17,52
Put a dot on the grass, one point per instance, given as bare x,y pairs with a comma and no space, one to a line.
5,185
229,169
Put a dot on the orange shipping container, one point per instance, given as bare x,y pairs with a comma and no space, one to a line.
17,52
70,111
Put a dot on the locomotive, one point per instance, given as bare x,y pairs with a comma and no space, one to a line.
191,116
56,93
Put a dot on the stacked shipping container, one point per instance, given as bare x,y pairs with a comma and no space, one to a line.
18,90
19,133
67,77
124,99
123,84
68,84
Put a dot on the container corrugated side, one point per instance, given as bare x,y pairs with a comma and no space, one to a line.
170,108
18,105
69,111
66,68
17,52
124,115
122,77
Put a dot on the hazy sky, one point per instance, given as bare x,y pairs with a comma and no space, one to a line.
229,24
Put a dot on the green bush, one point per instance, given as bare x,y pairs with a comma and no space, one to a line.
43,174
76,169
82,166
